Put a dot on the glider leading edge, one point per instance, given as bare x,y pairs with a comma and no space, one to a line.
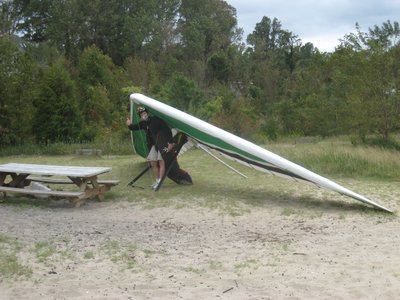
211,137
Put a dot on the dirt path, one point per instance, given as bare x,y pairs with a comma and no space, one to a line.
121,251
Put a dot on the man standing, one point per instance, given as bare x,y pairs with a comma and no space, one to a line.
159,138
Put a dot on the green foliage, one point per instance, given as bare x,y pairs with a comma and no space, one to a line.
338,157
102,99
205,27
17,80
188,54
212,108
371,73
9,14
35,19
43,54
96,68
271,129
267,37
238,117
57,116
138,72
376,141
182,93
220,67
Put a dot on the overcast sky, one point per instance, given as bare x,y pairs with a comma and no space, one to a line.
321,22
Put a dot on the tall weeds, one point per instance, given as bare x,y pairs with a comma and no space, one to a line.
335,157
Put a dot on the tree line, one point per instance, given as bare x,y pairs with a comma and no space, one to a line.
67,68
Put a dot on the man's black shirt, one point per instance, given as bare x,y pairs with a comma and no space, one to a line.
157,132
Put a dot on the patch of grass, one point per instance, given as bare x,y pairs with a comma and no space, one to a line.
392,142
215,265
123,255
252,264
10,265
88,255
338,157
288,211
195,270
149,253
22,203
43,251
285,246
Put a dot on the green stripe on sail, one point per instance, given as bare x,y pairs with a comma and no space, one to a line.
138,136
202,136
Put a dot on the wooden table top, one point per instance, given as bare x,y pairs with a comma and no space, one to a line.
53,170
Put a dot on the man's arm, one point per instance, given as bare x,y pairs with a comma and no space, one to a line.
138,126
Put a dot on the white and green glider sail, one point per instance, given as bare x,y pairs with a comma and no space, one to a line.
239,149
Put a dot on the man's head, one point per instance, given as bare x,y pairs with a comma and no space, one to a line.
142,111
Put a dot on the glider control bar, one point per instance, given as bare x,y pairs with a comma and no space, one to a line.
220,160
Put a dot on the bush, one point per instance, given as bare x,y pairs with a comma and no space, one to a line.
376,141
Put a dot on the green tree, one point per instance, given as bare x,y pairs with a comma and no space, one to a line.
206,31
35,19
120,28
372,74
182,93
220,66
102,102
17,81
314,98
274,55
206,27
142,73
383,38
267,36
57,116
10,16
270,41
160,41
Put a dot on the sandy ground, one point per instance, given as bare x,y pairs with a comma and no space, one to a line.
118,250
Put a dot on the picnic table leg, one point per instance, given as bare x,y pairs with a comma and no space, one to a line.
76,202
90,187
18,180
82,184
2,178
98,189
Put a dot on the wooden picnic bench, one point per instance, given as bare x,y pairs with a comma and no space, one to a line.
17,178
109,182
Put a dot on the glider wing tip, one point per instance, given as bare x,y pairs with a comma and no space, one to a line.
381,207
389,210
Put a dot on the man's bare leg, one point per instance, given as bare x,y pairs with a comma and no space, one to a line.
161,168
155,169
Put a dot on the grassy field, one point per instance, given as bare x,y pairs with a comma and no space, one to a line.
218,187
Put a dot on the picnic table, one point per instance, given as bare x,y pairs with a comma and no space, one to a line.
16,178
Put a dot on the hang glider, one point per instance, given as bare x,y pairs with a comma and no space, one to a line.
212,138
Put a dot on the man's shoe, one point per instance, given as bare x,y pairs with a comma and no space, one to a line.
157,184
